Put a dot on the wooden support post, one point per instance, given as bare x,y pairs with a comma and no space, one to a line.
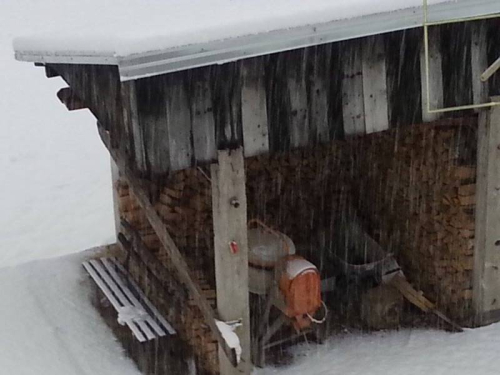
231,250
486,275
479,62
183,272
352,90
115,179
435,76
375,85
254,109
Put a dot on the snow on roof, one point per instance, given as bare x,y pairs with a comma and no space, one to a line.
154,37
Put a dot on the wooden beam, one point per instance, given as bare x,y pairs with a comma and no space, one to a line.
71,100
486,274
435,76
254,108
479,62
202,116
375,85
139,189
231,262
353,106
178,123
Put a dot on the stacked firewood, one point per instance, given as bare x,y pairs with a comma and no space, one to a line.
417,190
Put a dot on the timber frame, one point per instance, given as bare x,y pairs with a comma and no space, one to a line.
298,99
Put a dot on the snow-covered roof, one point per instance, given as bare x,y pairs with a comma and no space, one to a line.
147,38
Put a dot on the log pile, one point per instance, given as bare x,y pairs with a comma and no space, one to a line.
417,189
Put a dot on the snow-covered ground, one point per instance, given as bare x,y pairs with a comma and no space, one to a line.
55,185
48,326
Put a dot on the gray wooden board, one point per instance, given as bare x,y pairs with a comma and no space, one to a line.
254,108
353,106
131,122
479,62
178,124
230,224
435,76
297,93
139,188
375,85
318,94
486,254
203,122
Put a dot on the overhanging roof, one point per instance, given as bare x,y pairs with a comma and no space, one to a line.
146,64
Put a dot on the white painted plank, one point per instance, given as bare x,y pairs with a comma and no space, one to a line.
353,107
178,124
231,269
120,296
375,85
119,281
109,295
147,302
254,109
479,62
435,89
203,122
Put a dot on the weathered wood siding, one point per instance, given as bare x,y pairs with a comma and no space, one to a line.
287,100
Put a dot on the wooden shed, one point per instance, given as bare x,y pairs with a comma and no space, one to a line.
295,126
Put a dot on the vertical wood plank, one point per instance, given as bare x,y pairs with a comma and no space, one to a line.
297,93
254,108
486,275
352,90
115,179
131,122
375,85
318,94
178,123
479,62
435,74
203,121
230,224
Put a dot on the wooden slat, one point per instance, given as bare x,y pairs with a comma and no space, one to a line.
131,297
436,76
318,94
203,121
479,62
375,85
119,293
109,295
230,224
131,122
254,108
157,315
297,93
178,123
183,271
352,90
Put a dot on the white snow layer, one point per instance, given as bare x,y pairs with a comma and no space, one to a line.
232,339
407,352
49,326
55,185
122,28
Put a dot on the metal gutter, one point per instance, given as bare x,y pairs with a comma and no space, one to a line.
233,49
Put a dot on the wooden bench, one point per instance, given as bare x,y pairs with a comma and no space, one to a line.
132,306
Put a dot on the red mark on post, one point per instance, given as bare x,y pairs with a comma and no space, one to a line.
234,247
